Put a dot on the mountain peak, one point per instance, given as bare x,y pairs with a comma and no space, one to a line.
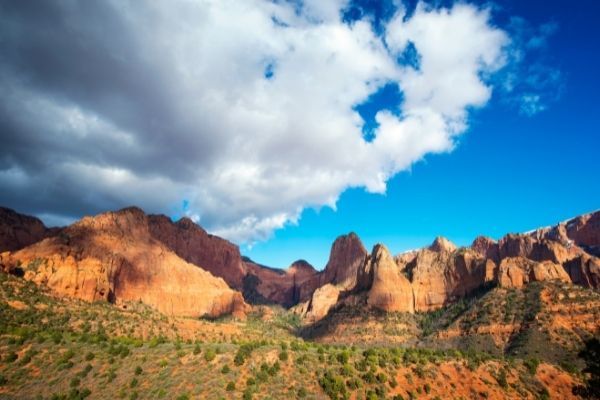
441,244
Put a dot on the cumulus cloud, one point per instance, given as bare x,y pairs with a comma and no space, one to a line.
244,109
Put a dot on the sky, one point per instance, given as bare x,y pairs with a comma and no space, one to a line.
282,124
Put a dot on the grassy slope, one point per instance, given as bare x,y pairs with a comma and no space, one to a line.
53,347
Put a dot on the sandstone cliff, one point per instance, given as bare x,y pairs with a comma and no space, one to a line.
114,257
346,272
192,243
18,230
429,278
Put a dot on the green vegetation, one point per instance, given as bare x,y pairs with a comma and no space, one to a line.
63,348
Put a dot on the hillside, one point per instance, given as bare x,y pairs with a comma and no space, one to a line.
133,305
71,349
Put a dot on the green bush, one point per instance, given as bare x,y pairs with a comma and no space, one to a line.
283,355
427,388
532,365
225,369
209,355
333,385
230,386
138,370
197,349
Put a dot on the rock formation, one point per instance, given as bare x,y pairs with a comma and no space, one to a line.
391,290
18,230
346,260
344,273
429,278
178,268
282,286
516,272
192,243
114,257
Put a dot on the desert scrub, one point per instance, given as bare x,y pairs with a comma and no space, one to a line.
210,354
532,365
283,355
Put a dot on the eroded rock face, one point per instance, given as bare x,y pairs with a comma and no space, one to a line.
486,247
322,300
391,290
346,271
18,230
516,272
585,230
441,273
263,285
584,270
114,257
192,243
346,260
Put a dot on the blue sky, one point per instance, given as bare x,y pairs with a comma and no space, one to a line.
510,172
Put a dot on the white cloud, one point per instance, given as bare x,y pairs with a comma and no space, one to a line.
249,152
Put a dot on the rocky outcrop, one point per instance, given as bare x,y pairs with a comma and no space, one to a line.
114,257
18,230
347,271
584,270
391,290
192,243
516,272
346,260
264,285
322,300
486,247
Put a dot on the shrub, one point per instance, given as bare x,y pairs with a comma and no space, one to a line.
197,349
343,357
74,382
225,369
89,356
333,385
209,355
138,370
283,355
502,381
427,388
230,386
134,382
532,365
301,393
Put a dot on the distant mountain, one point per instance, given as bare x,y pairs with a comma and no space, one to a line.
118,257
178,268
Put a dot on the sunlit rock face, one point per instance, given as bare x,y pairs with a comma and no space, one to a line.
114,257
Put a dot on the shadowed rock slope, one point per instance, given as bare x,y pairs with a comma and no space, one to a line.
18,230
